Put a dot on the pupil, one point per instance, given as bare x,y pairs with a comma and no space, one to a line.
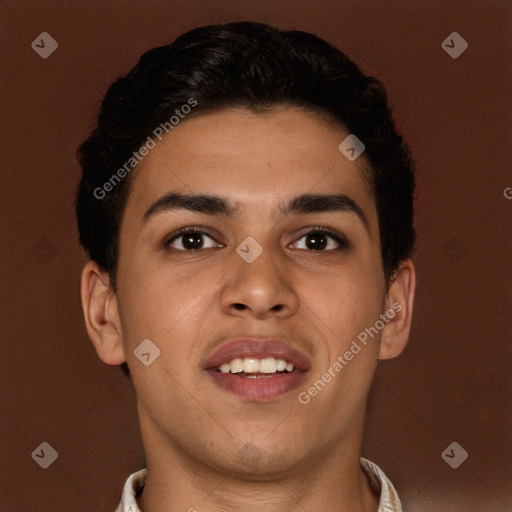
316,241
192,241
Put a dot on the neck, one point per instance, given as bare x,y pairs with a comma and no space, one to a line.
332,481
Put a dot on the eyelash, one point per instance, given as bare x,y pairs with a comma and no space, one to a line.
335,235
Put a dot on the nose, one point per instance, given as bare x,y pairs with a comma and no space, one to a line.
260,289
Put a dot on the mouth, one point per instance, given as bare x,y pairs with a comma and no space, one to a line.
257,370
251,367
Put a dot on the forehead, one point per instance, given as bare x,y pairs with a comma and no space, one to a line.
253,158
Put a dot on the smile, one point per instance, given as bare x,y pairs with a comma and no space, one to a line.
252,367
257,370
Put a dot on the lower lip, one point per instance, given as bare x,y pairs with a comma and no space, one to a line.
261,389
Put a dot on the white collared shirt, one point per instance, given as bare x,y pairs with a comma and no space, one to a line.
389,501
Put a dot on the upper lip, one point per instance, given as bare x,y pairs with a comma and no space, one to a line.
259,349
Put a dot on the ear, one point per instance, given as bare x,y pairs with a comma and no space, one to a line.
101,315
399,300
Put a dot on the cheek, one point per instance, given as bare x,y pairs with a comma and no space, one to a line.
172,312
346,300
157,301
177,308
343,307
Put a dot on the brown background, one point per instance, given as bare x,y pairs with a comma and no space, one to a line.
453,381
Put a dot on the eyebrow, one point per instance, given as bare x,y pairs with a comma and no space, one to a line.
216,205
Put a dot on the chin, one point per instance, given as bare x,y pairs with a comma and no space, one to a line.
257,463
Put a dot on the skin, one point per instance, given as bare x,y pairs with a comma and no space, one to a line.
206,448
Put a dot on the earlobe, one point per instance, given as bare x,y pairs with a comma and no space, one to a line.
101,315
399,306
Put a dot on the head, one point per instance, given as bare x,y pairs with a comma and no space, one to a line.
250,116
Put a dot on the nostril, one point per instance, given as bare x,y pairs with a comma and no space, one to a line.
240,306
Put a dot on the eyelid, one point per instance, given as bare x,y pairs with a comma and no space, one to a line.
202,230
340,238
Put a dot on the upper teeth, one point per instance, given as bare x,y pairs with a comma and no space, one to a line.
252,365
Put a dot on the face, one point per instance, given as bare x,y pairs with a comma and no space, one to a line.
281,261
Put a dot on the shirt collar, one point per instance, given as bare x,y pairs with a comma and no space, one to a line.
389,501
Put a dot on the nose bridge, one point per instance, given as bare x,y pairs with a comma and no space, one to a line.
257,261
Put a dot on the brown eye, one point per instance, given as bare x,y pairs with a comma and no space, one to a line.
191,240
322,239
